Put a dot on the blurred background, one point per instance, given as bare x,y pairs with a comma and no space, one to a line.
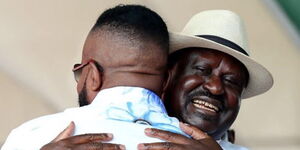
41,40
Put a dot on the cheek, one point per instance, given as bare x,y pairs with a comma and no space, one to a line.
182,89
233,106
191,82
233,99
177,97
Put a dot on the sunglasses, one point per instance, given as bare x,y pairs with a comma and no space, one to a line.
77,68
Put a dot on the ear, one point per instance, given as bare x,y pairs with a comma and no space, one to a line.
166,82
95,78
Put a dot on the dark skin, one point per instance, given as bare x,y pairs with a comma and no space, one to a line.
198,141
126,62
219,74
223,79
132,66
202,75
206,77
65,140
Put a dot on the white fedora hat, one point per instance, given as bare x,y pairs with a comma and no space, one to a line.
223,30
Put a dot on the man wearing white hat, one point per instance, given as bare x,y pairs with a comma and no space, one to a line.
210,72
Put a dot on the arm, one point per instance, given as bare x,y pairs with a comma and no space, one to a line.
65,140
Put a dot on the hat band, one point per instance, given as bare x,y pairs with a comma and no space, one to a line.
224,42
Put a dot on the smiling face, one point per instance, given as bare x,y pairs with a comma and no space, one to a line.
205,89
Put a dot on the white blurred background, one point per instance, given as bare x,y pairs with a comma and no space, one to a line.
41,40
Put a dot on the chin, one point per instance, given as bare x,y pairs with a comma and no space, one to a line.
201,123
211,130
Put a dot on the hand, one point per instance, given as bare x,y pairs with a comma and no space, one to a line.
65,140
199,141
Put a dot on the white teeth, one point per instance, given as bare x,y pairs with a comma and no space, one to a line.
207,106
203,107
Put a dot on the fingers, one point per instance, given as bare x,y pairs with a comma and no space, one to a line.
193,131
67,132
167,136
160,146
84,138
101,146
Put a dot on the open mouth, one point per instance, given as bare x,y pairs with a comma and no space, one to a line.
198,103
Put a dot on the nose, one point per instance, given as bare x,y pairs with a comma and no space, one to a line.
214,85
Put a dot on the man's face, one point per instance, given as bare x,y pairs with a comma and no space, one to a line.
205,89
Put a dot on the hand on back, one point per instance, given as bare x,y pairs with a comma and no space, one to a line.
65,140
199,140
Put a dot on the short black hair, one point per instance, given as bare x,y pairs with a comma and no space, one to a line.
136,20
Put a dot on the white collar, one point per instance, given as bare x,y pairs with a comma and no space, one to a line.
121,96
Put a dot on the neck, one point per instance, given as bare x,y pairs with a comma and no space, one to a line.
147,81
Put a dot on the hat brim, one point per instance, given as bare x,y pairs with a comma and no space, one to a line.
260,79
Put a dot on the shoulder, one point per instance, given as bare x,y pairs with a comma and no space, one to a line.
34,131
39,122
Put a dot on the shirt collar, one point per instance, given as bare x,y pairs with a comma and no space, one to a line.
121,96
130,104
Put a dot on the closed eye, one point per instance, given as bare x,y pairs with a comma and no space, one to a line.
202,69
232,81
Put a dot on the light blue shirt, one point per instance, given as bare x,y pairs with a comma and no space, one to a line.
226,145
114,110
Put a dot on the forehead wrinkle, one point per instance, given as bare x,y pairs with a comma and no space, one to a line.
207,57
216,59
